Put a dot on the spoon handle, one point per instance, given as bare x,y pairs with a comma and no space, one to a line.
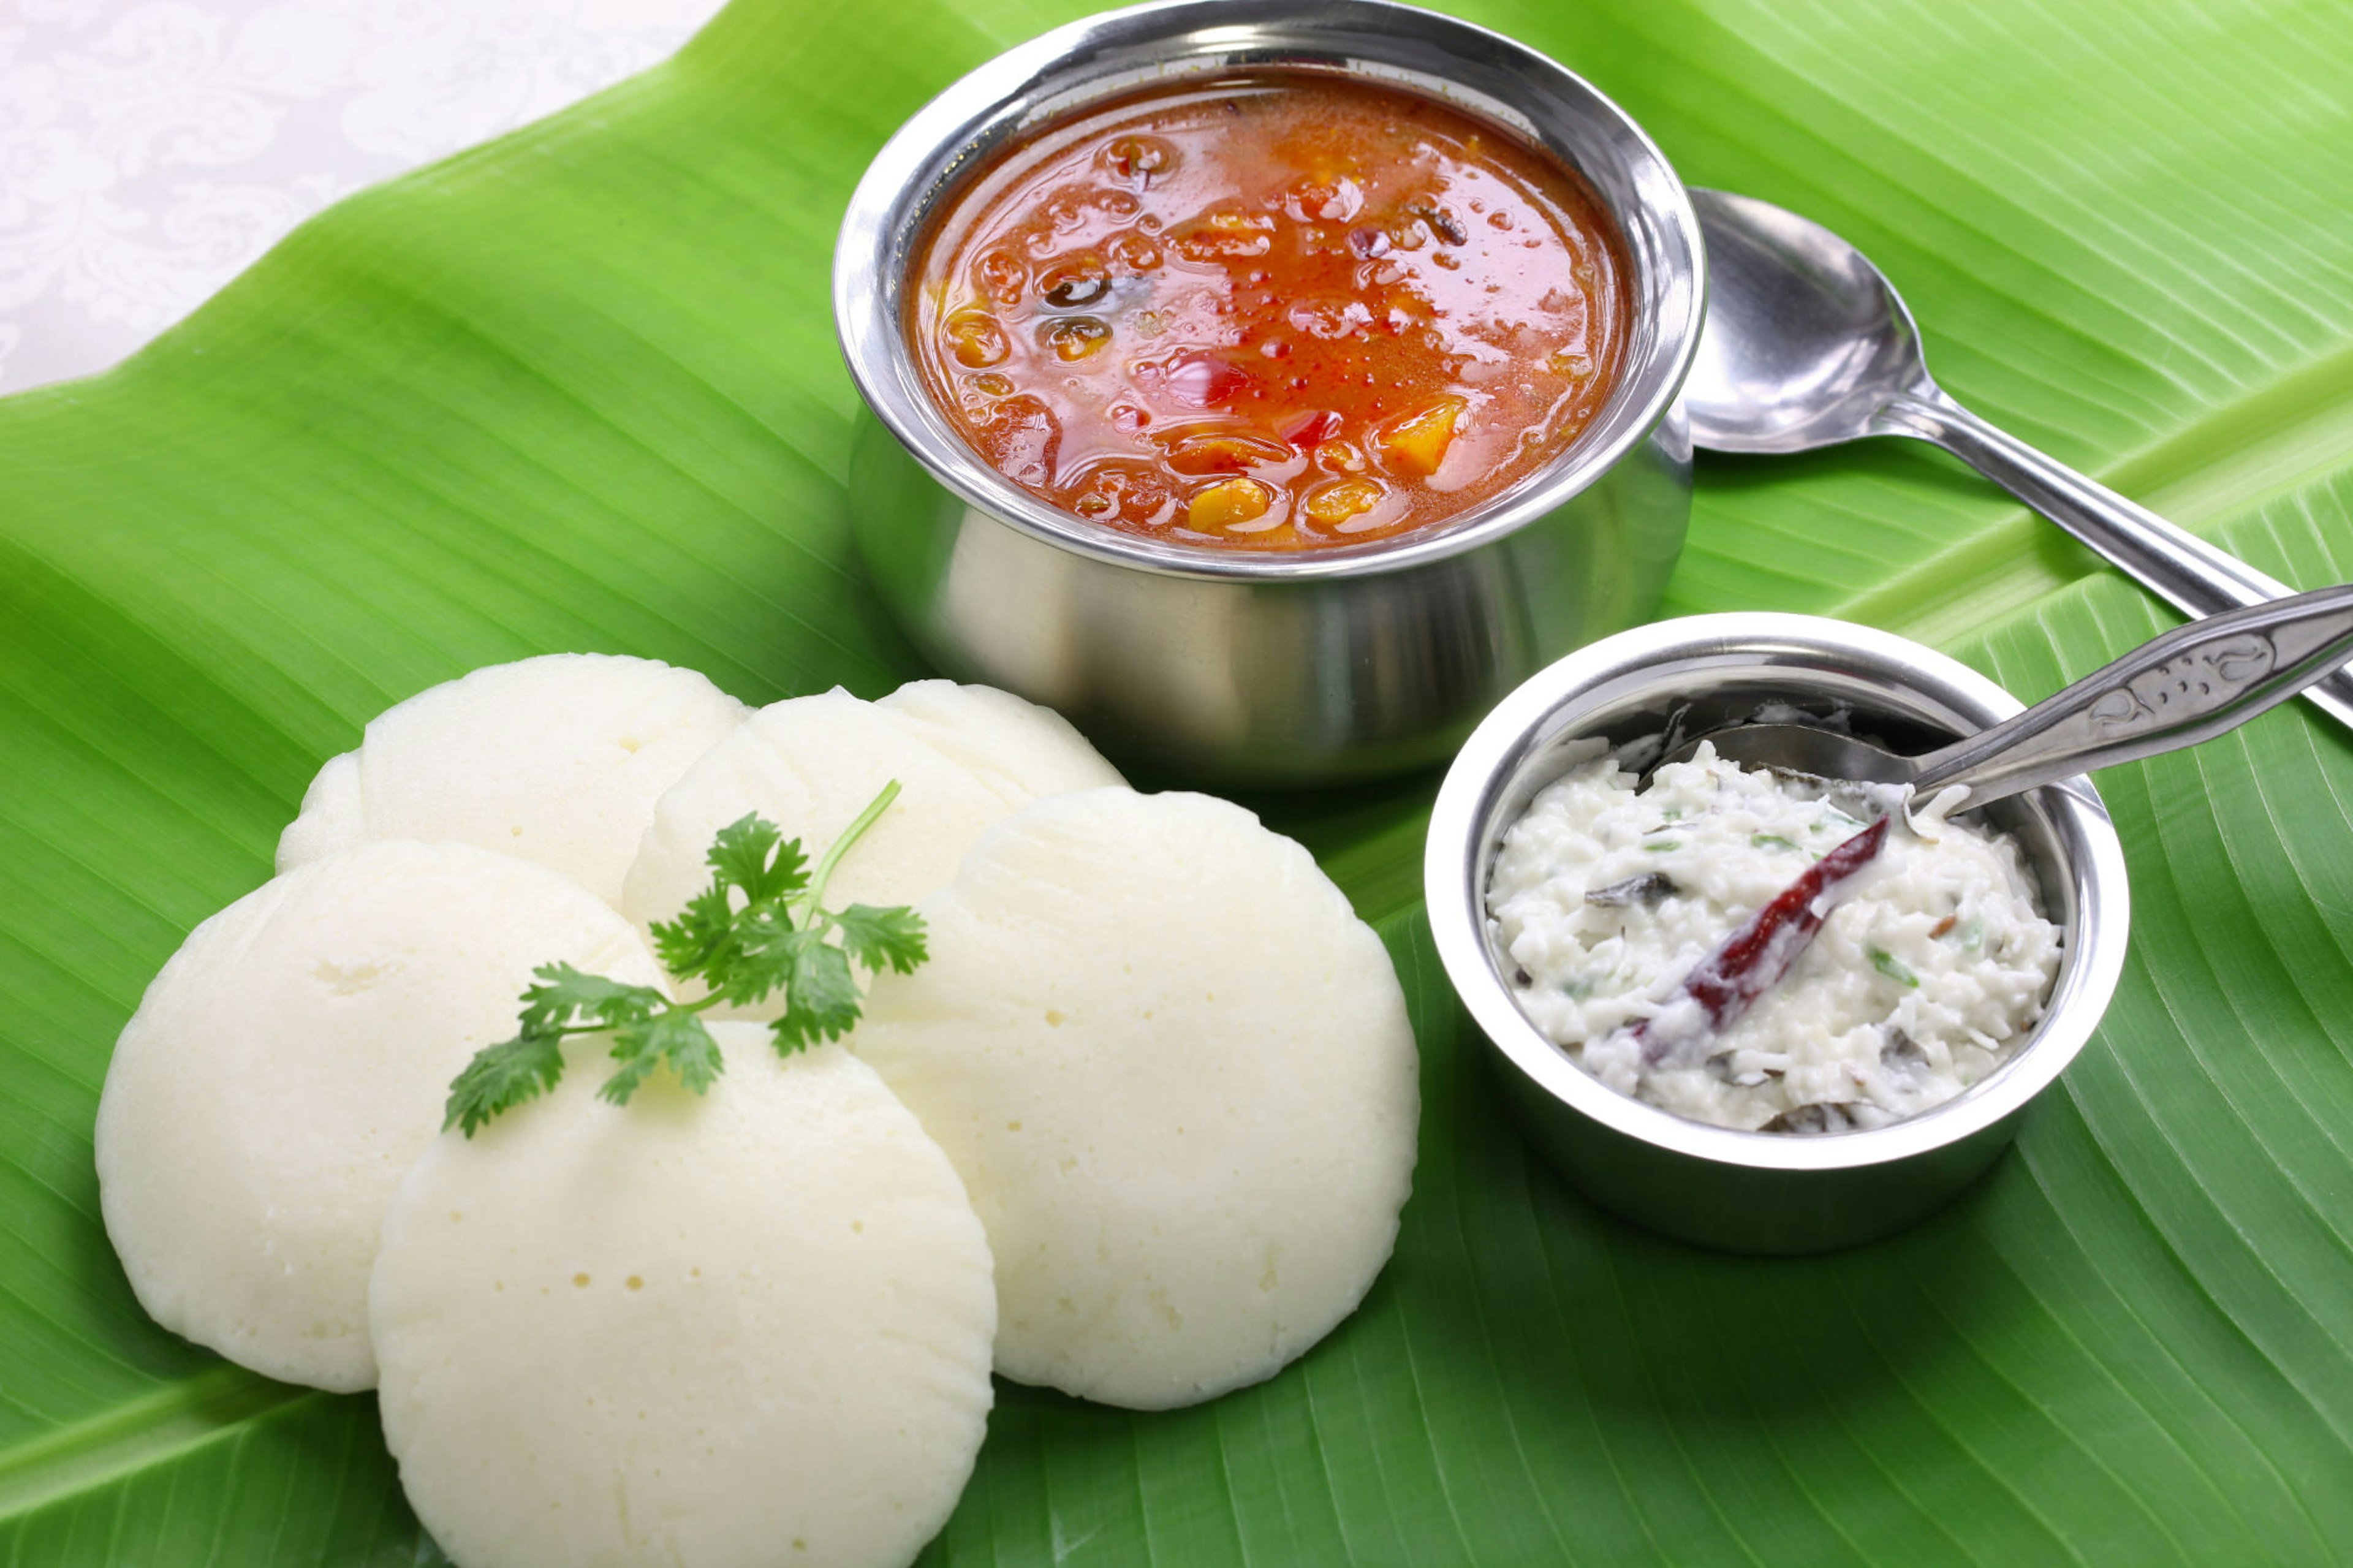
2171,561
2185,685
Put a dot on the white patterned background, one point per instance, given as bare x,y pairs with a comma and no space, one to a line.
150,150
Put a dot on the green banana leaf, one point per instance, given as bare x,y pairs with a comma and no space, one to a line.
577,390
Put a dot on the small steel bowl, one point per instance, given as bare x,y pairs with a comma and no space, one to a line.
1296,668
1761,1191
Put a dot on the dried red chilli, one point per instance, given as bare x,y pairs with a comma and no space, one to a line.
1754,958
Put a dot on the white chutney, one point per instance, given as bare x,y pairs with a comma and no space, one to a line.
1931,969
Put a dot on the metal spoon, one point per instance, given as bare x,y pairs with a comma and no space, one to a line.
2178,689
1807,344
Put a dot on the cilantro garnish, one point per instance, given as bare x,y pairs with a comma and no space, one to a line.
760,928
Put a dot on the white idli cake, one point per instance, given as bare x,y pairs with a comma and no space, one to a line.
557,759
289,1063
963,756
1176,1073
750,1327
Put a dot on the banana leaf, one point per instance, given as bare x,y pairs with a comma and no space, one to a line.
576,389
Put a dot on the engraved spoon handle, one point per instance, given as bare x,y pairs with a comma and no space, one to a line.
2188,685
2171,561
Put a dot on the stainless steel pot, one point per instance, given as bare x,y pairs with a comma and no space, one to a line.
1761,1191
1299,668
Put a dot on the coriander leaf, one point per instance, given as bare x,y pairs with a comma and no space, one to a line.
878,937
690,1051
765,941
674,1036
739,859
631,1050
563,994
732,949
701,940
820,999
775,940
502,1077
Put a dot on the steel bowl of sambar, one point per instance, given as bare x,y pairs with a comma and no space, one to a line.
1270,387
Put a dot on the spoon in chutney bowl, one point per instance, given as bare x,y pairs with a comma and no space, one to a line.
1807,344
2178,689
2181,688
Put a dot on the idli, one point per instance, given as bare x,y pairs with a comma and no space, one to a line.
964,757
557,759
750,1327
1176,1073
289,1063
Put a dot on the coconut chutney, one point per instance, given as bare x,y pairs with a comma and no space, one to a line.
1931,969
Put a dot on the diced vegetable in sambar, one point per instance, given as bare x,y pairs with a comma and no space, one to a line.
1336,502
1226,503
975,340
1077,338
1229,453
1270,311
1416,444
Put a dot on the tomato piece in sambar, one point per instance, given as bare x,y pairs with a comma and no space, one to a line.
1280,310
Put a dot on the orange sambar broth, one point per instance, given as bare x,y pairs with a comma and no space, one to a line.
1280,310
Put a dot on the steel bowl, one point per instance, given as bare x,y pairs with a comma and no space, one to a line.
1288,669
1760,1192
